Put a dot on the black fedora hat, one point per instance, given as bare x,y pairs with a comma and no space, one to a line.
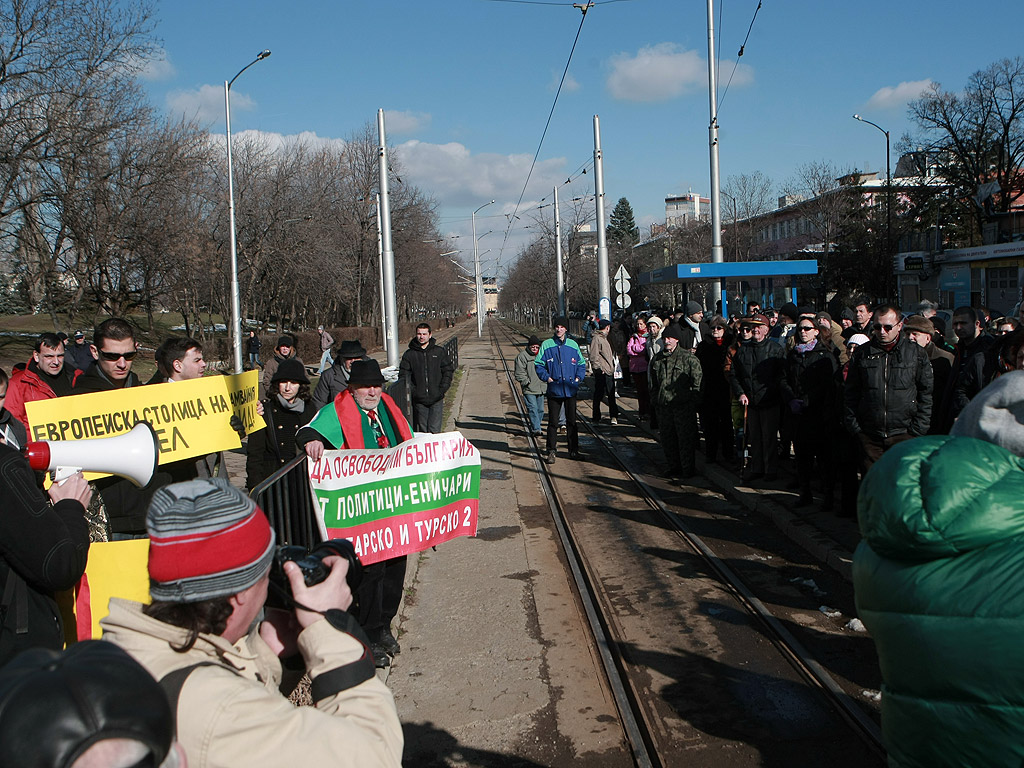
290,370
351,348
365,373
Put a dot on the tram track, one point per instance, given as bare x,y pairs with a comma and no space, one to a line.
643,720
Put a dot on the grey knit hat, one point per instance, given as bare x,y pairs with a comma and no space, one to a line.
207,539
996,414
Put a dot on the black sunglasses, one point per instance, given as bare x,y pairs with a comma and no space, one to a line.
806,328
884,326
113,357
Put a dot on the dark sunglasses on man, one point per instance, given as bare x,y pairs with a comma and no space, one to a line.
113,357
883,326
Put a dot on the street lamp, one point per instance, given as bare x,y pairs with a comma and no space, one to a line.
888,208
236,319
479,282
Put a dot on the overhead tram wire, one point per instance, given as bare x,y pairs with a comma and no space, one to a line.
584,8
739,55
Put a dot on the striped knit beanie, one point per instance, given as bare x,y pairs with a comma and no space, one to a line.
207,540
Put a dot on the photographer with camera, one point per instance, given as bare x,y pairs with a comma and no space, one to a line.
210,554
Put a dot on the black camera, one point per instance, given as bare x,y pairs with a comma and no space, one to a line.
311,563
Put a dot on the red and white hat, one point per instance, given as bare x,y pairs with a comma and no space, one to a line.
207,540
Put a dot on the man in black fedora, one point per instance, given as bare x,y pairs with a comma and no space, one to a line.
334,380
364,418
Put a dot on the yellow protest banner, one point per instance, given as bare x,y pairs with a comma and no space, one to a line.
190,418
243,394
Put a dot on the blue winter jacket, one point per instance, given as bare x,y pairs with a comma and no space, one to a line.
561,365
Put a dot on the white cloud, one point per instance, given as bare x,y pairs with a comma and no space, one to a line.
457,178
206,103
897,96
571,84
274,142
665,71
157,67
404,123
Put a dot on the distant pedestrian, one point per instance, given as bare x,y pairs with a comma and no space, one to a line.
888,396
283,350
756,377
603,363
429,372
252,349
534,388
676,376
77,356
560,363
326,342
334,380
636,350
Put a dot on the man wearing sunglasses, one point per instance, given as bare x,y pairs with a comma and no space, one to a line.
888,397
113,349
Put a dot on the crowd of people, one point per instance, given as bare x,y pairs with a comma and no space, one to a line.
221,656
770,384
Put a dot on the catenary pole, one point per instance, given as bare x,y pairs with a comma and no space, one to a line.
380,276
480,307
604,287
387,255
560,273
716,196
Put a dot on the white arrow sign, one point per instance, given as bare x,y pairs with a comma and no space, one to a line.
621,273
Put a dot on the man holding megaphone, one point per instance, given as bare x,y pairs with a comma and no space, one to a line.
44,546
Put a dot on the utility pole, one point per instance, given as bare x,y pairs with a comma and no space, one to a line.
716,203
603,282
560,275
387,255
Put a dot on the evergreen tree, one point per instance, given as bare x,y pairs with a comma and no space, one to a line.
622,228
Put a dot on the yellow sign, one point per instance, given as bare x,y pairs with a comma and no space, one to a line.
190,418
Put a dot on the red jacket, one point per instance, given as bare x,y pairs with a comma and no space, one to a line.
25,386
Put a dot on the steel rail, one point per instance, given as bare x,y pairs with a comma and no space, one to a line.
632,715
790,648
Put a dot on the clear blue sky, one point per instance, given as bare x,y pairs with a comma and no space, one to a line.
467,86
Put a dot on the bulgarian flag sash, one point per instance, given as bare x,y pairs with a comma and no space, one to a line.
347,426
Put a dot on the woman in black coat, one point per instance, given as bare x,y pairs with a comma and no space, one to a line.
716,407
808,389
288,409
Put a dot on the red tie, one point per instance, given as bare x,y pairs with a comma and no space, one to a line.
378,429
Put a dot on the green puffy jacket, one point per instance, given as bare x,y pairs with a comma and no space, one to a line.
939,581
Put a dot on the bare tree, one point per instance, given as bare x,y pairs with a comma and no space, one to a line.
747,196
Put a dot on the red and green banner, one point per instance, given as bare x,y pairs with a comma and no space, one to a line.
396,501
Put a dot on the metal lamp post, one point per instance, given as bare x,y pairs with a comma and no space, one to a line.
236,312
479,280
888,208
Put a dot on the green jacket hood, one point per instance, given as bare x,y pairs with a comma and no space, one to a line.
936,497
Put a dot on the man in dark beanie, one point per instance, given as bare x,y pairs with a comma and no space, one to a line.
284,349
364,418
561,365
533,388
210,553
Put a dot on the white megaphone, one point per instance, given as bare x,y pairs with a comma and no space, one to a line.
132,455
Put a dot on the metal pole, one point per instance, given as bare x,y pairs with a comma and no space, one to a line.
559,275
236,312
888,209
380,275
387,255
480,310
604,287
716,209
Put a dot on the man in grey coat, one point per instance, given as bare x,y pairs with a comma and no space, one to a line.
334,380
534,389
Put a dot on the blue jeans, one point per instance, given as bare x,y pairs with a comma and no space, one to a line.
325,361
535,407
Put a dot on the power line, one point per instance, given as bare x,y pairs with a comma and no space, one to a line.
547,124
739,55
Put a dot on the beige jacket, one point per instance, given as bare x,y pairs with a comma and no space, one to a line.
602,358
233,714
